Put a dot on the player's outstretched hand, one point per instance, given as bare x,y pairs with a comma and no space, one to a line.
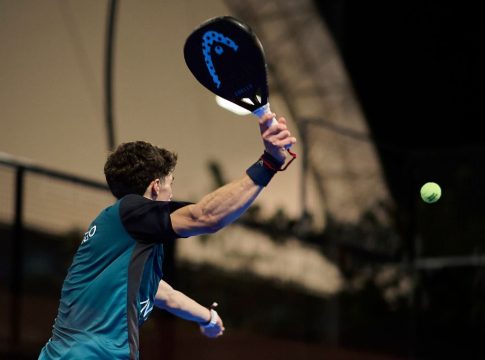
277,137
215,330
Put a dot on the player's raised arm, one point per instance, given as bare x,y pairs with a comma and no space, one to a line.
221,207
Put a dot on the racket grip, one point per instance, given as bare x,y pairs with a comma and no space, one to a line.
259,112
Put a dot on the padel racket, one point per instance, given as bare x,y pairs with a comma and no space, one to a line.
226,56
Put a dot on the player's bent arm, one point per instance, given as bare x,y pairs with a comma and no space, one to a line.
217,209
179,304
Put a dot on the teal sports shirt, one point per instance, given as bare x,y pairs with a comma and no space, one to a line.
110,287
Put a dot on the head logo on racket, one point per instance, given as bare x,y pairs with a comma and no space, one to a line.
208,39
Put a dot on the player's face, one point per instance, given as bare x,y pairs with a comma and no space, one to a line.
165,193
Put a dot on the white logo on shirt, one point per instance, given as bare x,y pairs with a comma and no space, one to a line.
89,234
146,308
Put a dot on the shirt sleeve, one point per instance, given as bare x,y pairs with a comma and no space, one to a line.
149,221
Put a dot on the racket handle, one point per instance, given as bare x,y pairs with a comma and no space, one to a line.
259,112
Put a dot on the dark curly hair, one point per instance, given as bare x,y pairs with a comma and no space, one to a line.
133,165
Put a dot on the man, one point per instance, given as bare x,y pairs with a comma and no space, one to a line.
115,278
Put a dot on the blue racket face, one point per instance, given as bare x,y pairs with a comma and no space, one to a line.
227,58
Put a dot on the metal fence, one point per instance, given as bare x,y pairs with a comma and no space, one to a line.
42,214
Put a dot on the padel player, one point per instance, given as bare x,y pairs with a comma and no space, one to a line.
115,278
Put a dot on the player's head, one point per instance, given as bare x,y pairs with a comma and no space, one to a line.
134,165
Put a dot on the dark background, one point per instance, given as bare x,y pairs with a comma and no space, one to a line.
417,68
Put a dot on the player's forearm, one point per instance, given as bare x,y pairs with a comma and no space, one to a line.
227,203
180,305
217,209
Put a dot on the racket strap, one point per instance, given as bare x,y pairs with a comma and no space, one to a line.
293,157
263,170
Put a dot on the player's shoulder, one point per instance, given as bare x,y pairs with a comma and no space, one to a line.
134,198
134,204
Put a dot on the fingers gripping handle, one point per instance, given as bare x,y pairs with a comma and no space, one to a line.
259,112
264,110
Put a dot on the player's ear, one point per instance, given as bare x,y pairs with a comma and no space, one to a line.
155,188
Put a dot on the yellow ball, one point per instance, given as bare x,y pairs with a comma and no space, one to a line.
430,192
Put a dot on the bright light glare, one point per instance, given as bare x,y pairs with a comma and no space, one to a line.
236,109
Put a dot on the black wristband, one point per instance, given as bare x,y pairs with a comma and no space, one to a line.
263,170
